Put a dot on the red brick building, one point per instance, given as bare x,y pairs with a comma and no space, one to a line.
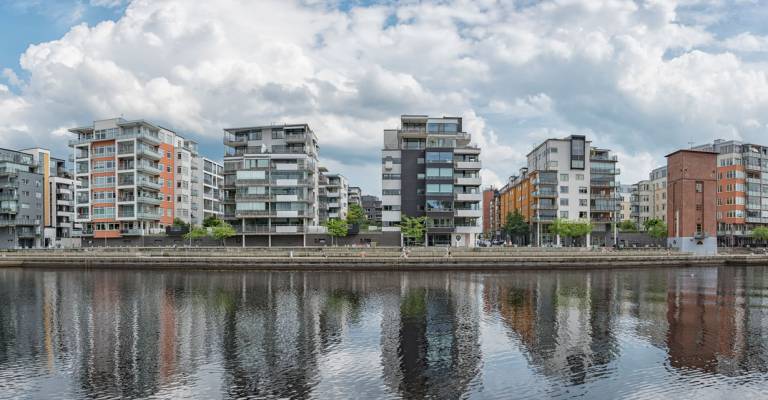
692,201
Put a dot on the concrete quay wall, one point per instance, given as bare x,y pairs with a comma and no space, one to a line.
364,260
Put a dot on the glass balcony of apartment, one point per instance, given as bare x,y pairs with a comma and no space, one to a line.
148,152
148,214
152,168
9,207
148,184
149,198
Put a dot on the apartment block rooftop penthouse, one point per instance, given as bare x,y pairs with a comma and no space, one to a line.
430,169
125,173
271,183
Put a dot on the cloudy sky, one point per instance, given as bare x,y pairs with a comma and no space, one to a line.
641,77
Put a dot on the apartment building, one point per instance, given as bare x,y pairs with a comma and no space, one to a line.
271,178
488,211
186,181
125,172
209,187
429,168
372,208
21,201
564,178
355,195
333,196
58,199
641,198
742,189
604,199
692,194
658,185
625,201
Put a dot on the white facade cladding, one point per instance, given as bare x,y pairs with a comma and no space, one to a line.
209,187
333,192
429,168
271,183
187,179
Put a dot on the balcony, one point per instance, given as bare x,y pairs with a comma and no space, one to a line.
468,165
273,229
468,181
544,206
148,215
148,152
285,167
147,184
235,141
286,197
602,183
132,232
468,229
544,193
468,213
149,200
468,196
296,138
152,169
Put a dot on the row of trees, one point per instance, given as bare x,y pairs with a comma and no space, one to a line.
655,227
212,226
340,228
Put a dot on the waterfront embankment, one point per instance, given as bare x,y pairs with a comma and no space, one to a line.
345,258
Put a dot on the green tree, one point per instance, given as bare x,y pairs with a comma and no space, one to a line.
337,228
195,234
356,215
223,232
570,229
179,223
628,226
515,226
656,228
760,233
413,228
212,221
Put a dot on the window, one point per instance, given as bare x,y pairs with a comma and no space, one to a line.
564,177
579,177
250,206
563,202
699,229
583,202
250,175
564,214
439,205
440,172
439,188
390,192
699,187
583,189
563,189
439,157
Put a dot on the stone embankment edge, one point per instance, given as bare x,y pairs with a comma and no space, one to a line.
474,263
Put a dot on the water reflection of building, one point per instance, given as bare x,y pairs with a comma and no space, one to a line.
430,336
710,327
564,321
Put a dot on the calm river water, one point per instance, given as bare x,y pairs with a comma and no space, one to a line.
660,333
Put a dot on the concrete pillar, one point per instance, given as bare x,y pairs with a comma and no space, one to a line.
558,240
589,240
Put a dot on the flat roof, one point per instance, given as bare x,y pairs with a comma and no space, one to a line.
691,151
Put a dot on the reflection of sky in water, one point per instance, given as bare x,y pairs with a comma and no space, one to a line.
685,333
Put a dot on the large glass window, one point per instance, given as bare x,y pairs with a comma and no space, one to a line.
439,205
439,188
440,172
251,175
251,206
439,156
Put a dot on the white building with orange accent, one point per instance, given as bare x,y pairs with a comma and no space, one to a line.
125,172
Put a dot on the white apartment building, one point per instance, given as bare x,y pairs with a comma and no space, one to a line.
658,184
271,183
126,173
334,196
563,166
642,195
187,178
210,188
